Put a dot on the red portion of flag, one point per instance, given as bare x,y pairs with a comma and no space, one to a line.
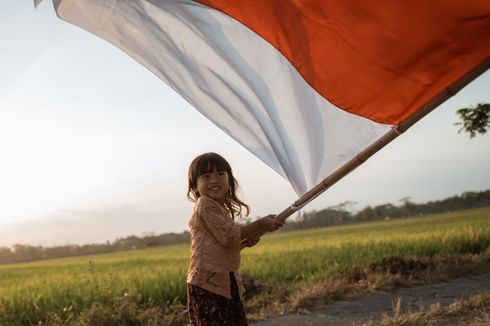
383,59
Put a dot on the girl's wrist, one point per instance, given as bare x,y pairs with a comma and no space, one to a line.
263,226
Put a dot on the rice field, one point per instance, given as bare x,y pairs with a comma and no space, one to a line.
31,292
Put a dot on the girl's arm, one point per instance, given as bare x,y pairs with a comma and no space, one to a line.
251,233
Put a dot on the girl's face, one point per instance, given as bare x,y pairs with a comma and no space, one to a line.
213,184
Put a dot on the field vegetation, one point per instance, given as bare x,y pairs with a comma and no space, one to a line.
284,272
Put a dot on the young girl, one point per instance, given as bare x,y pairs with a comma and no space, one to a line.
214,284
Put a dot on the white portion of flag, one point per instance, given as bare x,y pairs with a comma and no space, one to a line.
236,79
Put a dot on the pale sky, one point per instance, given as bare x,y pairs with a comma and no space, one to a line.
94,147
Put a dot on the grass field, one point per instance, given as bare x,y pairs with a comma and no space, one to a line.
76,290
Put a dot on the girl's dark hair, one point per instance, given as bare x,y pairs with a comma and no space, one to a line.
207,162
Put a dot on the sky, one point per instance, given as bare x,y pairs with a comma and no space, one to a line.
93,147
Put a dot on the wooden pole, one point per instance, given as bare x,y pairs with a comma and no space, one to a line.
384,140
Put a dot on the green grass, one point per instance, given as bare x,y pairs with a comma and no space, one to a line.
31,292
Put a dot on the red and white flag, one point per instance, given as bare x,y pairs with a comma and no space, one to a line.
305,85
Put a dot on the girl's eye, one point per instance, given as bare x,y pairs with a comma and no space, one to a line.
222,172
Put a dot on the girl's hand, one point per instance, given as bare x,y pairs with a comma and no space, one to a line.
269,223
250,242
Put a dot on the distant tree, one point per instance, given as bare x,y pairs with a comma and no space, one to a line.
367,214
405,199
347,206
6,255
475,119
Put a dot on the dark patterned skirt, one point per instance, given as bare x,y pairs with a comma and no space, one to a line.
210,309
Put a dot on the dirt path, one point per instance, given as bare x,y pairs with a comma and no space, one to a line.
372,306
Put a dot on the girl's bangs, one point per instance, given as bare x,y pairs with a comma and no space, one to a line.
210,162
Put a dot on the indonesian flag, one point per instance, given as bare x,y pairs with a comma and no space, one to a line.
305,85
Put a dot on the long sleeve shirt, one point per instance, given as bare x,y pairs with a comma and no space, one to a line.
215,248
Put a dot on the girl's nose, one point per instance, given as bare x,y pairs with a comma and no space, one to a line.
214,177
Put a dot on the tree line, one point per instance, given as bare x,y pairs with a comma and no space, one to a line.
337,215
340,214
23,253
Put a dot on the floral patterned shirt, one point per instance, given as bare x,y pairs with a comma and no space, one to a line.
215,248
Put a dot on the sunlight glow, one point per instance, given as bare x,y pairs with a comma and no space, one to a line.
46,164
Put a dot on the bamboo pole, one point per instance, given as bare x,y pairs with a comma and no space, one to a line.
384,140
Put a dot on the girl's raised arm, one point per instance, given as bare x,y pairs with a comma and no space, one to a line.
252,232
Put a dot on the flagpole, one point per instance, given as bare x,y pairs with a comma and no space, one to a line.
384,140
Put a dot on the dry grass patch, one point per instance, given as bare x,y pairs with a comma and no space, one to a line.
379,276
471,311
